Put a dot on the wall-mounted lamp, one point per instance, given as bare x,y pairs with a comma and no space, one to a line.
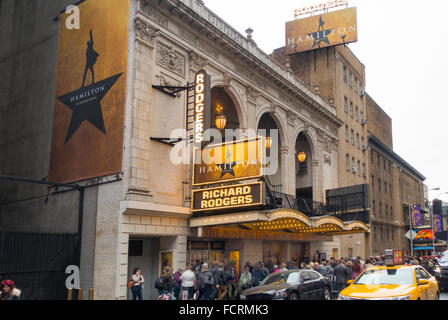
301,156
221,121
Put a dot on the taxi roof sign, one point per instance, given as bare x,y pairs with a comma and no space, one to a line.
394,257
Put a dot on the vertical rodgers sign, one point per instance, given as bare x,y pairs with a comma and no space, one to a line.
202,108
88,120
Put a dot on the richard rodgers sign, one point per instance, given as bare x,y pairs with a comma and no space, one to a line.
236,196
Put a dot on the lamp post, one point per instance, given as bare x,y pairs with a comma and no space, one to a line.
410,219
432,224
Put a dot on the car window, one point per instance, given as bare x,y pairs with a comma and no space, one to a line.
386,276
293,278
424,274
305,275
314,274
274,278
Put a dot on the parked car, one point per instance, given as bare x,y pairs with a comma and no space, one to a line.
291,285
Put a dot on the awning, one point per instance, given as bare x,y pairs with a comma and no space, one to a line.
281,220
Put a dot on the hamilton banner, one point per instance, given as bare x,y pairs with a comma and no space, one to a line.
416,215
320,31
230,161
88,121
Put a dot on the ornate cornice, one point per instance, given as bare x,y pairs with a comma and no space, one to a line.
145,33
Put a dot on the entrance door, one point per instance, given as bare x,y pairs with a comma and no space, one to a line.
146,257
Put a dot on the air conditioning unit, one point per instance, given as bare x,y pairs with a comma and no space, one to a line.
365,147
353,169
363,121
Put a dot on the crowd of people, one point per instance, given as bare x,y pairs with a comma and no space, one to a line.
199,281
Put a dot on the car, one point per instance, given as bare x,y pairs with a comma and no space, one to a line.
441,271
395,282
291,285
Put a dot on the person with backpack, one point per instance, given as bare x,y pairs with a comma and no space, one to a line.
205,283
222,282
177,283
232,278
165,283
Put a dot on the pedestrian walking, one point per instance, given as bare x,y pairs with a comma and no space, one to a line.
137,288
165,284
342,274
205,283
222,282
9,291
177,283
232,281
188,281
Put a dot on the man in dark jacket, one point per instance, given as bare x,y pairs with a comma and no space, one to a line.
258,275
342,274
217,278
206,283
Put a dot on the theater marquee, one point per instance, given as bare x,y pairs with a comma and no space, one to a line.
230,197
230,161
320,31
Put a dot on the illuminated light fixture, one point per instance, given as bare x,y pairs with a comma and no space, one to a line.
301,156
268,142
221,121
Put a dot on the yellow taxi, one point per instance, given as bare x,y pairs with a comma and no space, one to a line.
392,282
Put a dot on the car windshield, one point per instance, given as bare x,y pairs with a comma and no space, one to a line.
277,278
386,276
444,259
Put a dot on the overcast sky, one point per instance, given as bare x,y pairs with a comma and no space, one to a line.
403,44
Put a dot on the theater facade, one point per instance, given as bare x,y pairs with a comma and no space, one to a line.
259,195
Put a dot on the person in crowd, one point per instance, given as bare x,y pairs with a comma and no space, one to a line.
276,269
262,266
167,278
291,266
206,283
356,269
342,274
283,267
302,265
245,279
248,265
177,283
367,264
258,275
429,266
317,267
222,282
137,288
361,261
188,279
327,270
9,291
232,281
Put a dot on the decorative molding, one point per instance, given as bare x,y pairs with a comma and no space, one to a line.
145,32
197,62
198,43
335,144
227,79
252,95
145,9
170,59
327,158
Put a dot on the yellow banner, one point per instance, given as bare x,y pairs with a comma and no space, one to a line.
320,31
228,162
89,105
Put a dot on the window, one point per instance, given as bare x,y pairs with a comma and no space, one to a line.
362,142
356,113
384,160
373,182
346,133
387,209
390,189
380,208
391,212
392,235
371,156
352,137
346,105
362,115
350,83
374,233
347,162
356,84
351,109
385,187
387,234
135,248
364,173
373,205
378,158
357,141
359,168
345,74
379,185
353,165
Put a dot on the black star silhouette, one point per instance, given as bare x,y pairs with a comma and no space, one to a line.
226,170
321,36
85,104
